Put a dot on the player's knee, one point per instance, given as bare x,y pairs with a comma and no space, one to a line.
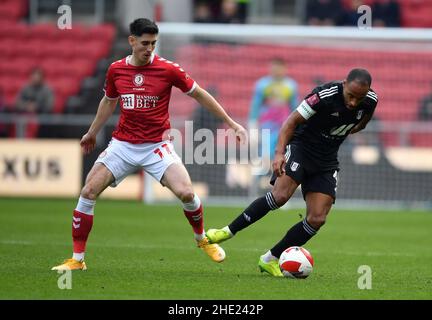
280,197
316,221
89,192
186,195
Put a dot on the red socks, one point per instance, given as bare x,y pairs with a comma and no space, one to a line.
196,219
81,226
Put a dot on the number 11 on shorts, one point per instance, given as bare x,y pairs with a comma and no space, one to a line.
159,152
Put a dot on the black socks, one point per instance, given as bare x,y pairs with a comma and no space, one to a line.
256,210
298,235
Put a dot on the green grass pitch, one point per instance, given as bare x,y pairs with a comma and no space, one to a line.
136,251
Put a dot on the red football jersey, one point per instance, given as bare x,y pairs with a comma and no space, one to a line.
144,93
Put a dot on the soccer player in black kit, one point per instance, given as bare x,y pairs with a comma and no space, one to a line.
306,155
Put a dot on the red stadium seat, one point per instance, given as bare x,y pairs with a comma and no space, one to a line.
421,139
391,139
15,31
46,31
65,85
106,32
7,48
90,50
59,103
77,34
65,63
82,67
10,11
52,67
30,49
11,86
17,67
416,14
54,49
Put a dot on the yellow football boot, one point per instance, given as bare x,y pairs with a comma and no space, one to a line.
217,235
214,251
271,267
71,264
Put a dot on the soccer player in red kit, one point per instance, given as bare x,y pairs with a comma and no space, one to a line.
142,83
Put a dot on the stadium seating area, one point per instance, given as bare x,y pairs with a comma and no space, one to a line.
401,79
66,56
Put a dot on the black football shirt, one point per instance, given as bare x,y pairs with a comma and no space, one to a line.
329,121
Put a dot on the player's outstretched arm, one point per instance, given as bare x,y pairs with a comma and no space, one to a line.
285,135
105,110
209,102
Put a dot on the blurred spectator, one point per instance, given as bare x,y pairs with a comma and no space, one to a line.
323,12
203,13
386,13
36,97
243,10
274,98
229,12
220,11
350,16
425,109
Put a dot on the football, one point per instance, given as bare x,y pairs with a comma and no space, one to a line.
296,262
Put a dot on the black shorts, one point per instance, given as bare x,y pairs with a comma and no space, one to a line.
310,174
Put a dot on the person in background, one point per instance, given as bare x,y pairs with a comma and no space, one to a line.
386,13
350,16
243,8
202,13
275,97
36,97
323,12
229,12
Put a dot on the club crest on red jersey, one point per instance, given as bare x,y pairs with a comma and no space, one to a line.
138,79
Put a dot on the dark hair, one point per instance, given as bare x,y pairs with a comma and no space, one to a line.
143,25
361,75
